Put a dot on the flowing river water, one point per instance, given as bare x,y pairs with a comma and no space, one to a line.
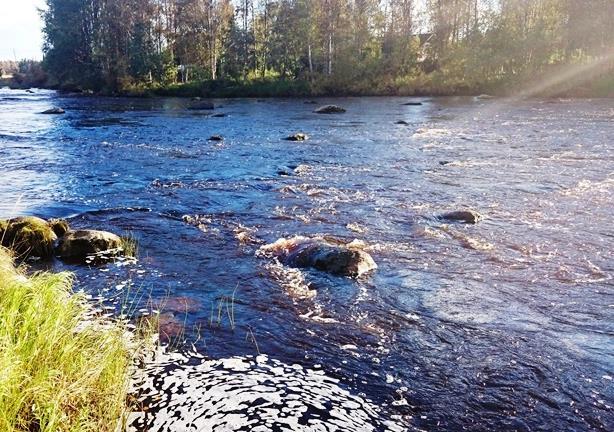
503,325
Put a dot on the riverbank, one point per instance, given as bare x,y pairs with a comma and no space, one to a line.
555,83
61,368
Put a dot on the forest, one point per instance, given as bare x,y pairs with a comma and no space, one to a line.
322,47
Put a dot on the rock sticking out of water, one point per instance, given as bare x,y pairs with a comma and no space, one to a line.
337,259
201,106
54,111
402,122
412,103
28,236
464,216
297,137
216,138
329,109
80,244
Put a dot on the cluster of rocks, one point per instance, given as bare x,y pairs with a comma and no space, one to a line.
33,237
338,258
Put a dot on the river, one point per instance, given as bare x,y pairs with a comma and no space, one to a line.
503,325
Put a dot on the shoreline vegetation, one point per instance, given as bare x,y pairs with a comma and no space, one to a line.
62,367
311,48
600,87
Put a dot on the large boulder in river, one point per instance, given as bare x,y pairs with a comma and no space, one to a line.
81,244
464,216
329,109
318,253
31,236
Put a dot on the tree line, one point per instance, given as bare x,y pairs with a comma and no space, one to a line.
322,46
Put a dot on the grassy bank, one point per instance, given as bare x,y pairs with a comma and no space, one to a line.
57,374
433,84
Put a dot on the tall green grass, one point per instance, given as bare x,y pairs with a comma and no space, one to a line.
57,371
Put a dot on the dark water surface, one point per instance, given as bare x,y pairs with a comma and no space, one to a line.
508,324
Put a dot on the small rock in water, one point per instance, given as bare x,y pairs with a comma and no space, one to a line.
30,91
219,115
54,111
216,138
311,102
465,216
412,103
402,122
329,109
199,106
297,137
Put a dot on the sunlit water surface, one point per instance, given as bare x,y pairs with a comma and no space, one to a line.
507,324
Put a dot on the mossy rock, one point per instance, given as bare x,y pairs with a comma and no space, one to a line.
30,236
79,245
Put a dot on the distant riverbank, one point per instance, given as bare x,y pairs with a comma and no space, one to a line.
424,85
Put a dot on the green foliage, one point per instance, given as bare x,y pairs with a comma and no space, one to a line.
324,46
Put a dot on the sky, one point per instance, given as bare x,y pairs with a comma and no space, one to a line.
20,29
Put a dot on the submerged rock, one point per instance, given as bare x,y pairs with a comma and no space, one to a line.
318,253
297,137
30,236
216,138
201,105
54,111
83,243
465,216
329,109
